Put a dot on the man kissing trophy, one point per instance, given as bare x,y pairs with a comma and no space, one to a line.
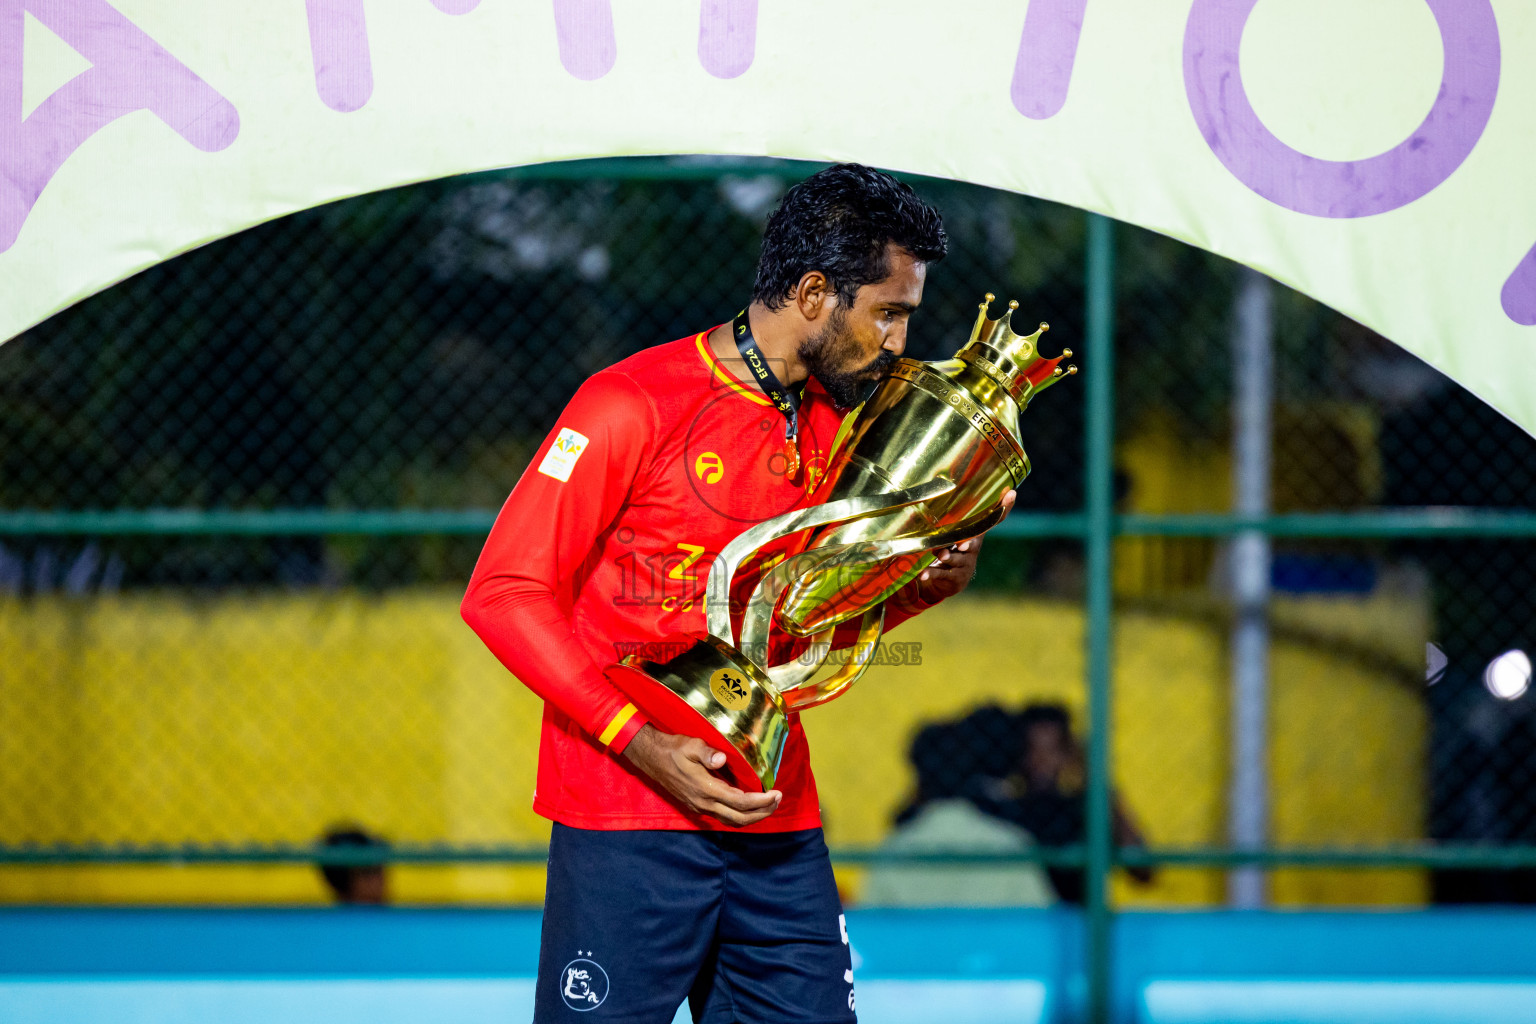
922,464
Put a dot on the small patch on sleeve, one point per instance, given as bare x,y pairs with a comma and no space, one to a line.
562,455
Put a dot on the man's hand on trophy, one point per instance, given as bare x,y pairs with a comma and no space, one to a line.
685,767
955,567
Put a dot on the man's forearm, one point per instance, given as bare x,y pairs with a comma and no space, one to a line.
524,627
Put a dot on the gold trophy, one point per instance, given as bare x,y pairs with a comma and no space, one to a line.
921,465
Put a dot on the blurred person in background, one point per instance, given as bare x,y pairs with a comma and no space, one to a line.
940,819
364,882
1046,798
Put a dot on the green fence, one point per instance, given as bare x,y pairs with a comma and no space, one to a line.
328,409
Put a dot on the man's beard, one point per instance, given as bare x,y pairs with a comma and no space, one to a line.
830,356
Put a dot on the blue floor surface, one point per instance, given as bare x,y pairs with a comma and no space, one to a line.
126,966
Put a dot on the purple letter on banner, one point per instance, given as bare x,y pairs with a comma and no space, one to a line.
727,36
129,72
1341,188
1046,54
585,32
338,42
1519,293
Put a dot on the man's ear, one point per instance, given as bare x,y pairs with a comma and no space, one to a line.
814,295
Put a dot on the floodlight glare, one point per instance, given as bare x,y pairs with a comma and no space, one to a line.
1509,675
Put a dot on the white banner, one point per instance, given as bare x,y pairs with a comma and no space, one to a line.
1376,154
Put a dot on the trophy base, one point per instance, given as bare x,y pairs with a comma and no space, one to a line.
712,691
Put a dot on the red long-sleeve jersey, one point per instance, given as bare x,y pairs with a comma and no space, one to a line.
605,545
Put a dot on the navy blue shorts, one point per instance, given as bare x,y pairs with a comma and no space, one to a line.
747,927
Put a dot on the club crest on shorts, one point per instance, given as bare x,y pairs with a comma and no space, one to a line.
583,985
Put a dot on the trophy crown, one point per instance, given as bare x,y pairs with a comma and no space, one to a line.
1016,355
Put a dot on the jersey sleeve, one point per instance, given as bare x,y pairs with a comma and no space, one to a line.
904,604
570,494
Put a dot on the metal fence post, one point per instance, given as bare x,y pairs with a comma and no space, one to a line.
1253,389
1099,441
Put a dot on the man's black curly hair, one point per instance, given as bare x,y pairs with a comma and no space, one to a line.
839,221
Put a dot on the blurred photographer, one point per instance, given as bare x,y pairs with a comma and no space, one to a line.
1045,796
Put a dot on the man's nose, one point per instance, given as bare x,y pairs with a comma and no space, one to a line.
896,340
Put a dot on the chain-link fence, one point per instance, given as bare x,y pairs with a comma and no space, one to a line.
241,492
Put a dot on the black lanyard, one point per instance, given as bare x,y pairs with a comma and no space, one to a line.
786,400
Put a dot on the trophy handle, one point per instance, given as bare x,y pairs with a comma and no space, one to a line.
798,697
759,617
717,593
792,675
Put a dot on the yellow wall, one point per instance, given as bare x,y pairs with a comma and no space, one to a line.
167,718
1325,456
1170,472
1347,756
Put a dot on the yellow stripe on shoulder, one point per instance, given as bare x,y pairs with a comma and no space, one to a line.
725,376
